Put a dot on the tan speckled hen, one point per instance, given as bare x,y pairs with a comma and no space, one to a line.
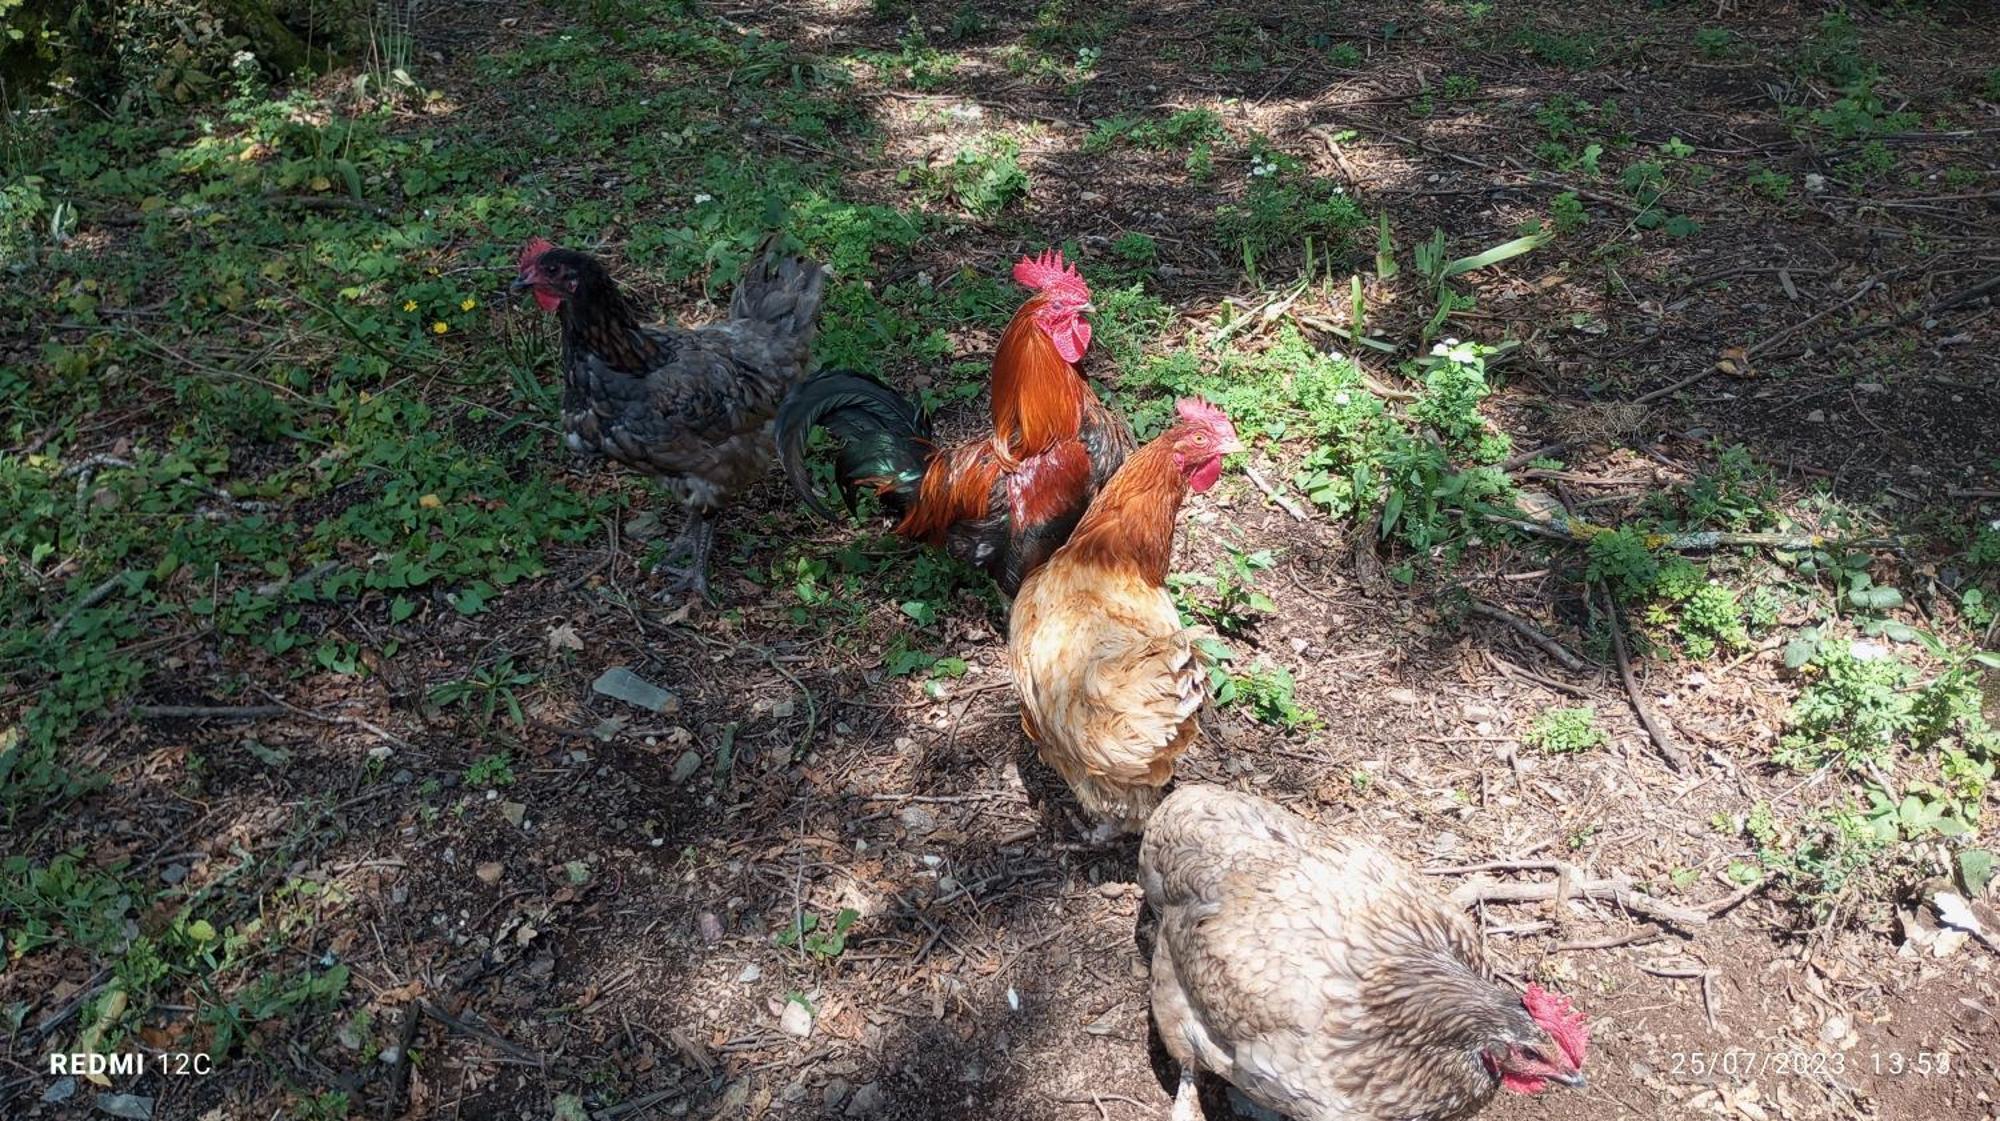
1324,980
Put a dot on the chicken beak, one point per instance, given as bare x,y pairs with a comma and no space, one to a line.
1574,1080
520,284
1232,447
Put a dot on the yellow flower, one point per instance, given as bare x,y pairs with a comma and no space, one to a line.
409,305
467,304
439,328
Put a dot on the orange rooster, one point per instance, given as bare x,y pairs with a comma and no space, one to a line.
1003,503
1111,684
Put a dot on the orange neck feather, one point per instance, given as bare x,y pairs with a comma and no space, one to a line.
1037,397
1130,525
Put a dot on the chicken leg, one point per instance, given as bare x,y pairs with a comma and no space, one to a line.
696,539
1187,1103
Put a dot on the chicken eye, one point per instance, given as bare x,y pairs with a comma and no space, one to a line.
1534,1055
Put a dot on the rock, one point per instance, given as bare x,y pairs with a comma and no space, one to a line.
751,974
173,874
1402,696
130,1106
917,819
61,1090
686,766
514,812
866,1102
490,872
1817,416
835,1093
1477,713
709,927
1834,1030
622,684
795,1020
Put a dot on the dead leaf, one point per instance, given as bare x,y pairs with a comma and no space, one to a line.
1735,362
563,636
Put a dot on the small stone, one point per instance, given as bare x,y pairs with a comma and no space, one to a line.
173,874
1476,712
490,872
1834,1030
686,766
403,777
917,819
129,1106
835,1093
514,812
709,926
795,1020
61,1090
866,1102
1817,416
1402,696
751,974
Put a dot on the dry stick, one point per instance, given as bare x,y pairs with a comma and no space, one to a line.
1946,303
209,712
1763,345
1675,757
1531,632
95,596
400,1081
1270,492
1572,886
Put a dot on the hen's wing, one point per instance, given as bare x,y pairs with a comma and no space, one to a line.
1110,682
1141,706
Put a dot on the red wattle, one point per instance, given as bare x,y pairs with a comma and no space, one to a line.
548,302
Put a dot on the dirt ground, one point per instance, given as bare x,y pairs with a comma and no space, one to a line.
605,926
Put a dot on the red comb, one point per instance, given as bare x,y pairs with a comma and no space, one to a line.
1194,410
1049,272
532,252
1568,1027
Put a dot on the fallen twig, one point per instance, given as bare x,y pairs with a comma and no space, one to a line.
1532,633
480,1031
209,712
1662,739
1573,885
91,599
400,1080
1257,479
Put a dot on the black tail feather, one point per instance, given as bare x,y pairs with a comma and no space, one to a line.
884,439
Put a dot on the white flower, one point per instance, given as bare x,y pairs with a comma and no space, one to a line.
1340,398
1439,350
700,198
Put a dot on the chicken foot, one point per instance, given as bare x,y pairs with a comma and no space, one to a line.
1187,1103
695,541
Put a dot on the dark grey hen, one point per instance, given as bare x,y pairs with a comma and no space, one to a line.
695,408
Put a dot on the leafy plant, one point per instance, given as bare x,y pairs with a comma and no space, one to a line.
823,941
1566,731
492,770
983,178
487,689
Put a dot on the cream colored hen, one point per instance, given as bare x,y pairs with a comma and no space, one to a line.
1111,683
1320,977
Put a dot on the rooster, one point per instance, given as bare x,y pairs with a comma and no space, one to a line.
1111,684
691,408
1326,982
1001,503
